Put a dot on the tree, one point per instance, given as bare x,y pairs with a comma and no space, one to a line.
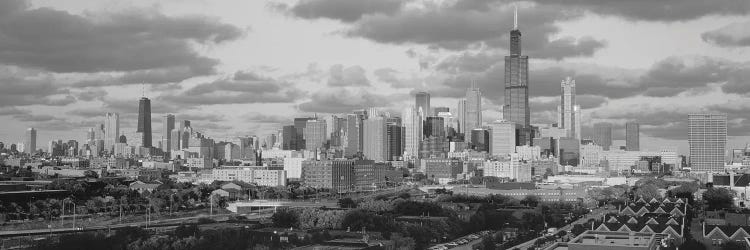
531,200
648,192
718,198
347,203
285,218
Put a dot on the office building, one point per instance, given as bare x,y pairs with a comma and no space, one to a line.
568,151
480,139
603,135
632,136
352,137
315,134
337,175
289,138
29,141
591,154
461,117
299,126
167,132
375,139
569,114
111,130
707,136
144,122
395,148
422,103
502,138
260,177
473,109
434,127
412,120
442,170
516,108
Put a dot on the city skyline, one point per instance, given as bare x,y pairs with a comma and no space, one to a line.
657,87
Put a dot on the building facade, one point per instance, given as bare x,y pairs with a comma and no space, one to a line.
707,136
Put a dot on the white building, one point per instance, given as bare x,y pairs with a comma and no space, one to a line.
591,154
512,169
502,138
261,177
412,120
528,153
293,167
198,162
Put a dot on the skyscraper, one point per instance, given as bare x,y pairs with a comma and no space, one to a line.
167,132
632,136
473,109
707,136
299,126
461,114
375,139
111,130
516,108
603,135
434,127
422,101
289,138
412,120
395,149
568,113
352,137
144,121
315,134
29,141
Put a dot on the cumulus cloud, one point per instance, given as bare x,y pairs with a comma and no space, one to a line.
265,118
238,89
16,91
731,35
340,100
342,10
663,10
144,44
349,76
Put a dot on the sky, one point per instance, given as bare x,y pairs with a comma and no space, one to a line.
248,67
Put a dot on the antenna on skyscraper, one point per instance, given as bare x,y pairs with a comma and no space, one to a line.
515,17
143,89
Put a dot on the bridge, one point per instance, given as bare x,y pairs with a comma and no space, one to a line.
251,206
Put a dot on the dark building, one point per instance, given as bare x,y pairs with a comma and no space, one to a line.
437,110
422,102
480,140
395,148
632,136
299,126
434,127
547,146
434,147
144,121
603,135
516,108
289,138
353,131
569,151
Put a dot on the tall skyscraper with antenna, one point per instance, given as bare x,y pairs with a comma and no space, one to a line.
516,108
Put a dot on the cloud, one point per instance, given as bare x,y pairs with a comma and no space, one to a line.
146,45
341,100
349,76
397,79
264,118
343,10
12,111
569,47
663,10
90,94
199,117
731,35
15,91
238,89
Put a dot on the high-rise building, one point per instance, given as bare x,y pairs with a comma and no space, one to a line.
437,110
568,113
315,134
434,127
144,121
412,120
299,126
111,130
473,118
422,102
569,150
503,137
352,138
707,136
461,115
167,132
176,137
632,136
603,135
480,139
30,141
516,108
375,139
395,148
289,138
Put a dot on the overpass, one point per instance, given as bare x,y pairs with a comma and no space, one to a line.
249,206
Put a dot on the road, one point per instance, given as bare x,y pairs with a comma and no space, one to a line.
595,213
263,215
